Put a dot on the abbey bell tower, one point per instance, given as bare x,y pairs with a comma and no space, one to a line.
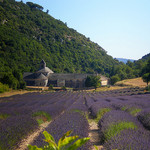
42,64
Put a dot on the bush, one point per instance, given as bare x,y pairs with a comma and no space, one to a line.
93,81
50,87
147,88
13,80
114,79
3,88
146,78
63,88
9,79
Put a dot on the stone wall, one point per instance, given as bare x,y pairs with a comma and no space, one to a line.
62,79
70,80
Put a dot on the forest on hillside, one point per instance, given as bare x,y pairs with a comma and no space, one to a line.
28,35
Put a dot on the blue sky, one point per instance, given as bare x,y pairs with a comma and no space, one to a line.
121,27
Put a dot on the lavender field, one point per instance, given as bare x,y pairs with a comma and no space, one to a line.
122,117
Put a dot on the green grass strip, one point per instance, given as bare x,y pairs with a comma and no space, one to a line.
101,113
133,110
4,116
115,129
41,117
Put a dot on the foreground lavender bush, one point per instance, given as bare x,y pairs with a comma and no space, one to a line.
114,122
144,118
15,128
98,106
129,139
17,118
70,120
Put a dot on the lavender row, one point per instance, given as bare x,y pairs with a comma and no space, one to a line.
129,139
18,110
72,119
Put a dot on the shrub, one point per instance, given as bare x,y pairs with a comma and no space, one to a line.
9,79
146,78
50,87
93,81
114,79
63,88
3,88
147,88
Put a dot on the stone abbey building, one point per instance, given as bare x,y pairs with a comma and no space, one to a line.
45,77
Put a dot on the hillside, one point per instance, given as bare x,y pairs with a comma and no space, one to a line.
27,35
146,57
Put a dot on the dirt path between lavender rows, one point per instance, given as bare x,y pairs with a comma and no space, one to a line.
29,139
94,135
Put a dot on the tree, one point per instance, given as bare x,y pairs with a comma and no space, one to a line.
114,79
9,79
146,68
47,11
93,81
34,6
146,78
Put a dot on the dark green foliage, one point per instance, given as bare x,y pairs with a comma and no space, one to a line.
92,81
13,79
34,6
114,79
3,88
9,79
50,87
146,68
146,78
148,88
63,88
28,35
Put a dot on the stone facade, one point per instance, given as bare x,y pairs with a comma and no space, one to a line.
45,77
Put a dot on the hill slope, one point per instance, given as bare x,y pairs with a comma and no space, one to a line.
27,35
146,57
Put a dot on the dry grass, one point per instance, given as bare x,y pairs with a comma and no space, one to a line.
37,87
109,88
136,82
14,92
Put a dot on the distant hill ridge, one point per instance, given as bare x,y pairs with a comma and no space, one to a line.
124,60
27,35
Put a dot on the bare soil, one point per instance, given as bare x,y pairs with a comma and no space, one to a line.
94,135
29,139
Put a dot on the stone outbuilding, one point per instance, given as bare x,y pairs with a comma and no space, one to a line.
45,77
